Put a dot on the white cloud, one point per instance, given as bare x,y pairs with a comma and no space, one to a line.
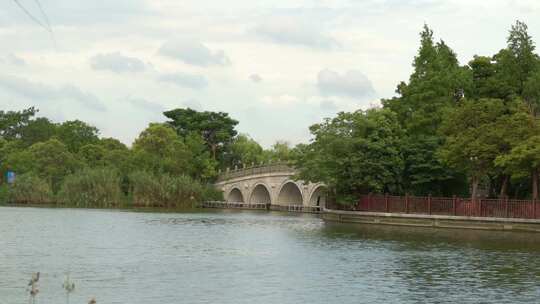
292,31
116,62
146,105
184,80
42,93
352,83
193,53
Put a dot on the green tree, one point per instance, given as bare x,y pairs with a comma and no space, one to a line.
202,165
525,157
159,149
477,132
37,130
354,153
244,151
49,160
76,134
12,122
216,128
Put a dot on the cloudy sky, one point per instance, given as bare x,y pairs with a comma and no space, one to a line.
276,66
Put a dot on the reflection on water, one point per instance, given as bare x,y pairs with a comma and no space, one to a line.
246,257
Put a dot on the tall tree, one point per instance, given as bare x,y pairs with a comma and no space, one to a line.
216,128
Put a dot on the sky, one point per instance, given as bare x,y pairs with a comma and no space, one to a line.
275,66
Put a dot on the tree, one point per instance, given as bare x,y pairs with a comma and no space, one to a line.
203,166
93,155
476,133
280,151
525,157
243,150
50,160
216,128
354,153
37,130
11,122
76,134
159,149
437,83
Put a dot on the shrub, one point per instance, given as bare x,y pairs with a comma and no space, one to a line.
29,188
99,188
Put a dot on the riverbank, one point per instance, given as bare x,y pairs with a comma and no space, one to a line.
435,221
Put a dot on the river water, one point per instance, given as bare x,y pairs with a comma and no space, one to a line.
249,257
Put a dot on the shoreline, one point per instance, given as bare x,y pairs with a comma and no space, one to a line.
432,221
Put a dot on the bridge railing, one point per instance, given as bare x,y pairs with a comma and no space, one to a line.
262,169
232,205
260,206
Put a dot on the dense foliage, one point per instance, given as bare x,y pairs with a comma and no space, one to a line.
451,129
169,164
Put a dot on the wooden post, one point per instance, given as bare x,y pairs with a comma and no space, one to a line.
454,205
429,204
506,211
406,203
386,202
480,207
534,208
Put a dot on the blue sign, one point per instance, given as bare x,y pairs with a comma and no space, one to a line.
10,177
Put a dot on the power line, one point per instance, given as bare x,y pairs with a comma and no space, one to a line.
44,15
47,27
31,16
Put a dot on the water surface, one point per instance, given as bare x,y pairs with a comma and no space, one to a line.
249,257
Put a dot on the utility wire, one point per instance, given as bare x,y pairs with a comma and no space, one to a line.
31,16
46,18
46,26
44,15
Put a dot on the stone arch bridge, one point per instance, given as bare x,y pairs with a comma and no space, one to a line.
272,185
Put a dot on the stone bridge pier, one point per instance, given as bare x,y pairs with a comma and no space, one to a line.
272,184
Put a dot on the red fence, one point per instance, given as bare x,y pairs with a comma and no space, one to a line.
505,208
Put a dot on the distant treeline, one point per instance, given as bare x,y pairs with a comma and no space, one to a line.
170,164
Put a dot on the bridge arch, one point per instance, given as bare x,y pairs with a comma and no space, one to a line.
260,194
290,194
235,196
318,196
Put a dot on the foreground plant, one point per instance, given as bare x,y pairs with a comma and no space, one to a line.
68,286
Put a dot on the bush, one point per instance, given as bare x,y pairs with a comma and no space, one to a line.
30,189
98,188
164,190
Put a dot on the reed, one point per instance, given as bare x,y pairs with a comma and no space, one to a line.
92,188
30,188
164,190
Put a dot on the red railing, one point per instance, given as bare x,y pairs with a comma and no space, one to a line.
502,208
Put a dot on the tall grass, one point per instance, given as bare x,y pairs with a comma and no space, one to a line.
4,194
165,190
30,189
98,188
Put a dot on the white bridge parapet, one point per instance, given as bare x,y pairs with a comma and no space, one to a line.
270,185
